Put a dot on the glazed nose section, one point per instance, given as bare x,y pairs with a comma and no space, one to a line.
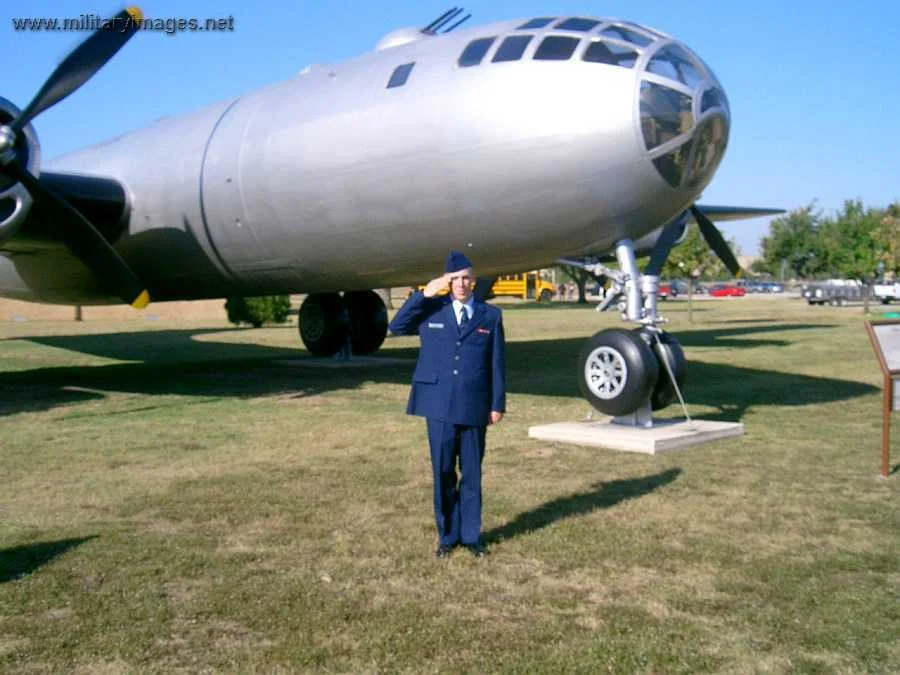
684,117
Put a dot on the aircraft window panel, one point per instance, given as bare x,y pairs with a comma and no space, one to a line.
673,62
475,51
711,139
537,23
512,48
665,114
713,98
652,32
672,165
576,23
556,48
400,75
612,54
622,33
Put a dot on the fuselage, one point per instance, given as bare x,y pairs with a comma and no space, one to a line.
518,142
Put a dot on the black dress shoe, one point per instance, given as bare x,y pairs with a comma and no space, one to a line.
477,550
443,550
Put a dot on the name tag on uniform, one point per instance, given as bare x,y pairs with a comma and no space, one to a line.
483,331
435,325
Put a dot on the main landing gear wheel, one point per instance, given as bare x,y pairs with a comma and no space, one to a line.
368,321
617,371
324,323
667,350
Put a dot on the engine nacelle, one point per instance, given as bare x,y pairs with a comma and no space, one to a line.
15,201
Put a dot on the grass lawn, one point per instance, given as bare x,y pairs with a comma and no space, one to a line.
187,497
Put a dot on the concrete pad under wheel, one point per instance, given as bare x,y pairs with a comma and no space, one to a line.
663,436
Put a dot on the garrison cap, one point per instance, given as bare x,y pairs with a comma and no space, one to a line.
456,261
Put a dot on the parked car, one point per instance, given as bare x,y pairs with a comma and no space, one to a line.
726,290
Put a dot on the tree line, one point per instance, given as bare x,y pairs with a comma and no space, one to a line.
858,242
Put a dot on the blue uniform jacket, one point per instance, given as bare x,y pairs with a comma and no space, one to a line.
460,377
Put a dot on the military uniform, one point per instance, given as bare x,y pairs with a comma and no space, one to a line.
459,379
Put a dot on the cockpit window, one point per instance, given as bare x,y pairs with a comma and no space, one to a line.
537,23
672,165
400,75
710,138
576,23
622,33
613,54
556,48
713,98
675,63
665,114
512,48
475,51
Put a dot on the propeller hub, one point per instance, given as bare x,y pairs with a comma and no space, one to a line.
7,145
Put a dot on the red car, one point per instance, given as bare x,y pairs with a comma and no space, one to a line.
725,290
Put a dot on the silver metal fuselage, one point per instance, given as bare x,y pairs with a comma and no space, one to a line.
331,181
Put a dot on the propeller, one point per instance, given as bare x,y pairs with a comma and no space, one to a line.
716,241
76,231
82,64
667,238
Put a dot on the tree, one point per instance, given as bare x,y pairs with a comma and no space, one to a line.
693,258
581,277
795,239
259,310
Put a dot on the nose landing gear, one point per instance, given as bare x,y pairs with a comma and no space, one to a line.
631,372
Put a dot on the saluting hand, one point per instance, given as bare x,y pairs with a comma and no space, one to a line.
435,286
496,416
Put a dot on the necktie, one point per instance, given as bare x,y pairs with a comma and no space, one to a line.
463,319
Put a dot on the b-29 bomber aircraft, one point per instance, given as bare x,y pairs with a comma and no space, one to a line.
521,142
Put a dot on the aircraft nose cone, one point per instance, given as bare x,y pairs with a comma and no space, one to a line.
685,118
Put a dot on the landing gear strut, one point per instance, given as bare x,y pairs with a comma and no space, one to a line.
629,373
356,322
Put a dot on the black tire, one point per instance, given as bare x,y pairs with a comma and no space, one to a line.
617,371
368,321
546,296
885,301
668,348
323,323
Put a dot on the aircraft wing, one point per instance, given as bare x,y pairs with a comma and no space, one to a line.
720,213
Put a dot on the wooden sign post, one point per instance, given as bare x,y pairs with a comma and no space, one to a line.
885,337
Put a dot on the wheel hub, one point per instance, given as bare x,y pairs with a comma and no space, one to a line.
605,372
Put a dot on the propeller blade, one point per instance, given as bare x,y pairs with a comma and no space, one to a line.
84,240
82,64
716,241
663,246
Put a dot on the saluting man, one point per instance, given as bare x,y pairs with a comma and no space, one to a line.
459,388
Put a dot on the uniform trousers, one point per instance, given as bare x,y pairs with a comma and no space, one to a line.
457,504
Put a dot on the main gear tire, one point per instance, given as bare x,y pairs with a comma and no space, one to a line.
368,321
323,323
617,371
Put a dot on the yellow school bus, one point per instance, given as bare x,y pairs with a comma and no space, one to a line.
527,286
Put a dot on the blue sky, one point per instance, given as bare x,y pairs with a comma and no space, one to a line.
814,87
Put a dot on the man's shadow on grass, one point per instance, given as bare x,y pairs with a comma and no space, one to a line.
602,495
21,561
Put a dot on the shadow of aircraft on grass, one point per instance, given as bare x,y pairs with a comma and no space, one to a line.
176,362
600,496
21,561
